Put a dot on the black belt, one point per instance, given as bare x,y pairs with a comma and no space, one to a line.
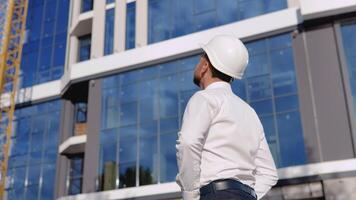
226,184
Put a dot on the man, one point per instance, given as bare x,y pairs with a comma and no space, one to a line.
222,151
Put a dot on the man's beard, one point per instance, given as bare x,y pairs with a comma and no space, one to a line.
196,81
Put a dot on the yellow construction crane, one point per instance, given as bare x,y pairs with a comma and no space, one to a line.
12,31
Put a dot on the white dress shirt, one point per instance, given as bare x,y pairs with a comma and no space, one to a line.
222,137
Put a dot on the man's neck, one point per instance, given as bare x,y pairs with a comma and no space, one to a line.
205,84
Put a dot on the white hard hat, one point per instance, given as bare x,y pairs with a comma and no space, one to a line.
227,54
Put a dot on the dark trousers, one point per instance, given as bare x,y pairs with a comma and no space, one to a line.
230,194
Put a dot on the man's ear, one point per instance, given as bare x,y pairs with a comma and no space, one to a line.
205,67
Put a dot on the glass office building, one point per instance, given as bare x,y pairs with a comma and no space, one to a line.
105,85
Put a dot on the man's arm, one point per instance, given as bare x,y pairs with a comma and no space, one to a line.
196,122
266,172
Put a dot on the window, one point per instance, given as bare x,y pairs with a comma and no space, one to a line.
348,32
109,31
84,47
140,115
110,1
76,174
130,25
43,52
172,18
87,5
80,116
269,86
32,164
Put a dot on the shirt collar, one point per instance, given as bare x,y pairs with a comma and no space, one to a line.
219,84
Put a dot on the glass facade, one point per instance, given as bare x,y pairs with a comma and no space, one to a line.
84,48
172,18
130,25
109,31
76,174
348,32
44,49
270,87
34,150
142,111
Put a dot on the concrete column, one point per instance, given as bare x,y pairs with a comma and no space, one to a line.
73,50
120,26
72,41
141,23
98,29
62,163
91,157
330,108
76,9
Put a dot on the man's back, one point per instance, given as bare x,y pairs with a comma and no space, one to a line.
233,138
222,138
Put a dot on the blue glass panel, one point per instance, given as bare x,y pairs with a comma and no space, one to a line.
109,31
250,8
271,88
48,181
263,107
87,5
148,129
259,87
62,16
169,125
173,18
32,192
183,20
268,123
43,55
36,127
148,160
159,20
127,174
348,32
108,150
292,150
168,164
130,25
226,11
19,177
128,114
287,103
84,47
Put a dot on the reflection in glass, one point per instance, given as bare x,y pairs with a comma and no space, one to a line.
271,88
109,31
44,47
348,32
34,153
173,18
130,25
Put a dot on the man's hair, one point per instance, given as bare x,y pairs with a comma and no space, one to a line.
216,73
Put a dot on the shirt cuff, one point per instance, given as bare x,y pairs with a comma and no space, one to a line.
191,195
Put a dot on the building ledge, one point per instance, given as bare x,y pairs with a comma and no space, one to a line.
319,8
73,145
172,190
314,169
83,24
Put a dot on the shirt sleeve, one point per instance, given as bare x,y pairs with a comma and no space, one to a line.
191,138
266,172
